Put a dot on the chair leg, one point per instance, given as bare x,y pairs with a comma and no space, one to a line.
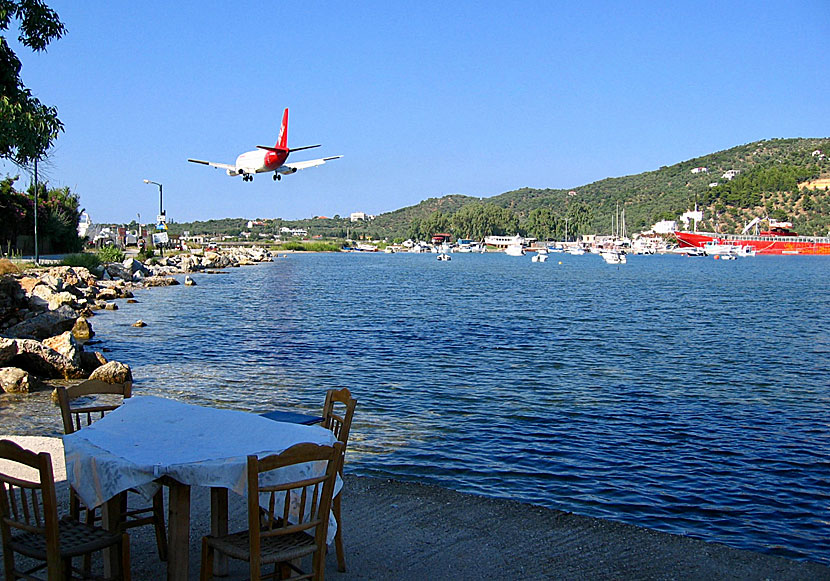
158,523
126,573
338,537
206,569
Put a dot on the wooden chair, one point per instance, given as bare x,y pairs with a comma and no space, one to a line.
77,417
338,411
292,527
30,526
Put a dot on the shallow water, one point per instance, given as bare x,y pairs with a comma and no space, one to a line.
685,395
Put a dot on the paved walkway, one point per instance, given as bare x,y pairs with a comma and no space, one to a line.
395,530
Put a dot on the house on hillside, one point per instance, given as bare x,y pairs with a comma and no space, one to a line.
729,174
700,170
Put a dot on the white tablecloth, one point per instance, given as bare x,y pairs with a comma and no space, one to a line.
148,437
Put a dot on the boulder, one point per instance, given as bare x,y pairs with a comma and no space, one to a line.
160,281
16,380
44,296
113,372
7,266
45,324
111,307
66,345
107,294
90,361
139,323
35,357
8,349
135,266
189,281
118,271
82,330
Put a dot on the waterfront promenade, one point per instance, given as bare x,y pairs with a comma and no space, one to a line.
396,530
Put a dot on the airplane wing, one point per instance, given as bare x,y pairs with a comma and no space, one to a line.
294,166
213,164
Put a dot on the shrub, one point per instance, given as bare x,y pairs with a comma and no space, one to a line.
111,254
84,259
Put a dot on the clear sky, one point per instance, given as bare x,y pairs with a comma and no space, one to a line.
422,98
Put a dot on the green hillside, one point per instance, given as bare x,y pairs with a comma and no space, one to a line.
770,178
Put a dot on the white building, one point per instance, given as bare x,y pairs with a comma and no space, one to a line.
294,231
729,174
700,170
664,227
357,217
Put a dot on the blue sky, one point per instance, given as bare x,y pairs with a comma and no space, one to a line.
422,99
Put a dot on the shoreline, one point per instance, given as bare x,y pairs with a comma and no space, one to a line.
408,531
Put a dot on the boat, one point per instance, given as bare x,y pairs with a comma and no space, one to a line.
778,239
515,250
614,256
540,257
444,257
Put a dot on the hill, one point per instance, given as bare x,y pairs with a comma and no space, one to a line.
782,178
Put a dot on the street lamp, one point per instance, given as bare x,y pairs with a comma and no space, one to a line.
161,211
161,217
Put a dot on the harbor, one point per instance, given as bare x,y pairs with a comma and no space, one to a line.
599,391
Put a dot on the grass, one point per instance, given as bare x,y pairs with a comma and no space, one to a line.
84,259
310,246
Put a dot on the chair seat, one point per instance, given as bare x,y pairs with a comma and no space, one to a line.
76,539
274,549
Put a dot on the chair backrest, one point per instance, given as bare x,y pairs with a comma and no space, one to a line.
296,506
75,418
27,505
338,411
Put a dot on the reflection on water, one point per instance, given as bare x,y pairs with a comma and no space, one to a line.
684,395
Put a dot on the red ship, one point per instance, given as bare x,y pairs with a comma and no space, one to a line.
779,239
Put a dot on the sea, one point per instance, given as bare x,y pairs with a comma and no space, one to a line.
686,395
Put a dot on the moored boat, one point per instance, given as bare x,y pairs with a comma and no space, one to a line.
779,239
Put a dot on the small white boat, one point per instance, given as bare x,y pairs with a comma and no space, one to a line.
444,257
539,258
515,250
613,256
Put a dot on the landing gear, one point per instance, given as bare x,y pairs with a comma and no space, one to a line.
277,177
247,178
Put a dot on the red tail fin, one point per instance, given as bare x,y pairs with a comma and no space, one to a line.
282,140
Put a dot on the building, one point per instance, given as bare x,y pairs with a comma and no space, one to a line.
664,227
700,170
729,174
357,217
294,231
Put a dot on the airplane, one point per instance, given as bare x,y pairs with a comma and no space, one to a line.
269,159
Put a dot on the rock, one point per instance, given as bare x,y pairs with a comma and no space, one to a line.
7,266
107,294
139,323
160,281
135,266
111,307
46,324
16,380
35,357
131,301
66,345
92,361
189,281
8,349
118,271
113,372
82,329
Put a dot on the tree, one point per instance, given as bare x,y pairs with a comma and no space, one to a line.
27,127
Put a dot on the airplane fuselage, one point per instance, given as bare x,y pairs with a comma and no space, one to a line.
258,161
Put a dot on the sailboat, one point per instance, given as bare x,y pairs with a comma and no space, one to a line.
615,254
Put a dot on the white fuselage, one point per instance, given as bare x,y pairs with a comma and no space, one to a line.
251,162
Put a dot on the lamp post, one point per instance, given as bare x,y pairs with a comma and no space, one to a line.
161,209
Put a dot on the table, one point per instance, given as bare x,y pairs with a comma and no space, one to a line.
292,417
150,438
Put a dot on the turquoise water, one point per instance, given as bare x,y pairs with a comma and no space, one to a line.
681,394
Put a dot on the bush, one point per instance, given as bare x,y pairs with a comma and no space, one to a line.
84,259
111,254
